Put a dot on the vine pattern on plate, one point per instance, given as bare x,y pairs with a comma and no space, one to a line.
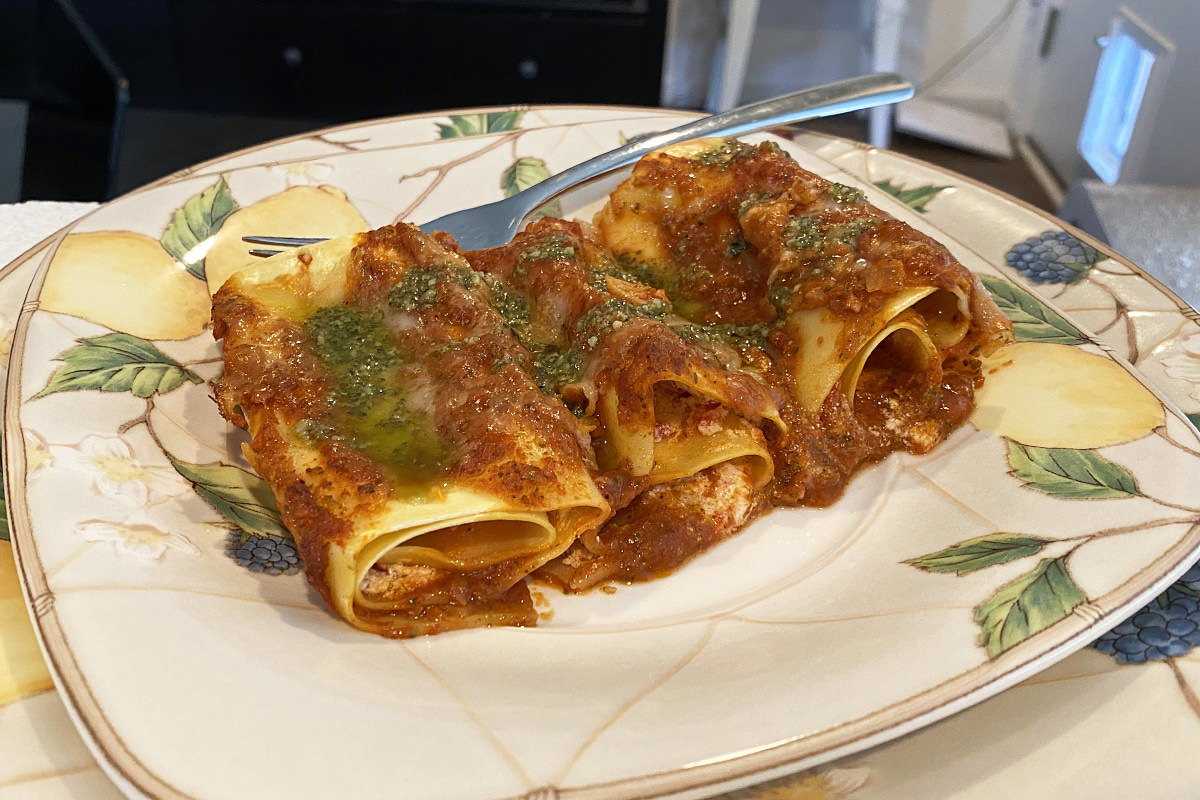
1046,593
1040,597
122,362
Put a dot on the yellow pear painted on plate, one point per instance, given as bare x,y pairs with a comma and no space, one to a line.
125,281
322,211
1057,395
22,670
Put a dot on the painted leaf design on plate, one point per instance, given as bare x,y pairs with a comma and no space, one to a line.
461,125
1071,474
978,553
1033,321
915,198
193,224
241,497
117,362
1195,420
1033,602
526,172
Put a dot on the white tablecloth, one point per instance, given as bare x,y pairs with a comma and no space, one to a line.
22,225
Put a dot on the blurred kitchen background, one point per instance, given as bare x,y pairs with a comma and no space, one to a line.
1086,108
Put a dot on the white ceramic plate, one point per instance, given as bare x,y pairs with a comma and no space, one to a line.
145,550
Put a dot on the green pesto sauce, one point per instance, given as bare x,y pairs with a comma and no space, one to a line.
357,348
736,247
310,431
504,361
635,270
722,154
780,296
801,233
736,336
513,306
554,369
613,313
403,442
367,407
417,290
841,193
757,198
848,232
557,246
468,277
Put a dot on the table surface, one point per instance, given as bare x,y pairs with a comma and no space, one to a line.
1109,721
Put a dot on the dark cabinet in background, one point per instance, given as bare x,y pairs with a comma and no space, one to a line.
208,76
351,60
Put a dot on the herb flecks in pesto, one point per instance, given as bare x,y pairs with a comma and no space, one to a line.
554,369
417,290
780,296
757,198
556,247
843,194
722,154
468,277
612,314
734,335
735,247
512,306
504,361
802,233
357,347
635,270
848,232
310,431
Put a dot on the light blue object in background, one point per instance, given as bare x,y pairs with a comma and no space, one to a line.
1118,94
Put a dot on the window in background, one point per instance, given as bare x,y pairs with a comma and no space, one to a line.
1120,94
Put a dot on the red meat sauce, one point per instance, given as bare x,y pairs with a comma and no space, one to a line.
515,336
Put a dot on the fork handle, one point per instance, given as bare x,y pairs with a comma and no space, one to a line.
838,97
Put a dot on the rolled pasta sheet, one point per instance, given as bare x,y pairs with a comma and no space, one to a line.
663,527
393,412
691,434
900,361
618,353
656,390
868,331
831,349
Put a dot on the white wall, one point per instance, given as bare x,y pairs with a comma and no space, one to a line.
801,43
694,27
798,43
936,32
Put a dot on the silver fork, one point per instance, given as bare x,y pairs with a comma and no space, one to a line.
495,224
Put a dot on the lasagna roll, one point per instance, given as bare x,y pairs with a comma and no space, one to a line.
662,527
871,331
666,398
593,401
390,408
